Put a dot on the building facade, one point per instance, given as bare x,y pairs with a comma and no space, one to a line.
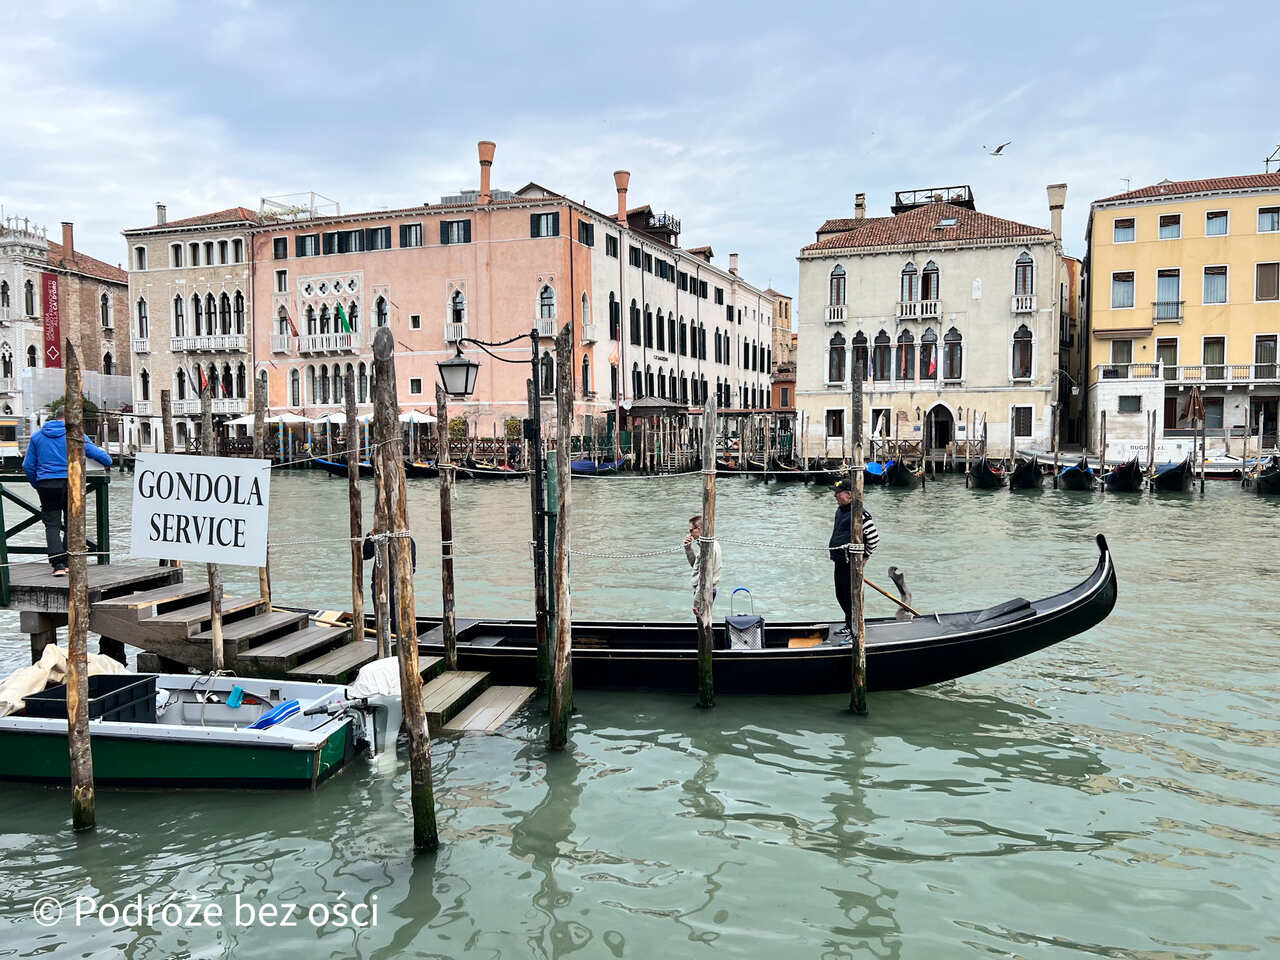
1073,341
950,313
783,369
50,291
1184,291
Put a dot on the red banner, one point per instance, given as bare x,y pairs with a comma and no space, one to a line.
52,320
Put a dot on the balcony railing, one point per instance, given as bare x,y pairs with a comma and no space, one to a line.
231,405
589,334
4,314
327,343
1166,310
6,384
836,312
184,408
1024,303
141,345
283,343
142,408
1128,371
1198,374
546,327
216,343
919,309
453,332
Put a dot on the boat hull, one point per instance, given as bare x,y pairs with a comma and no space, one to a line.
1026,475
1125,478
420,471
338,468
1078,476
1173,479
1268,481
897,474
987,475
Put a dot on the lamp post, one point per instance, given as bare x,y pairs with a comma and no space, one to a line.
458,376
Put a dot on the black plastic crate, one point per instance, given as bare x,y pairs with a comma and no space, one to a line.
127,697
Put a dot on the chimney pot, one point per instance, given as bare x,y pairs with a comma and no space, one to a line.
1057,200
486,148
68,240
733,264
621,180
162,215
859,206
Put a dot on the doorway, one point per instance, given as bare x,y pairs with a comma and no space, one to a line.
941,427
1264,414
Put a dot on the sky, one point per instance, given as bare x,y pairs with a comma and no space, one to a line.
751,122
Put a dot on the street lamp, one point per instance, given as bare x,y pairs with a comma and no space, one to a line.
458,376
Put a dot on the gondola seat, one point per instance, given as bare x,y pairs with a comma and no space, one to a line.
1005,611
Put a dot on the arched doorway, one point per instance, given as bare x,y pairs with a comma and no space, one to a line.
941,426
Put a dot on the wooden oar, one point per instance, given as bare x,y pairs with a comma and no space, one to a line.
900,603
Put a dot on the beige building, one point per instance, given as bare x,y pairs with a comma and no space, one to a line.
951,312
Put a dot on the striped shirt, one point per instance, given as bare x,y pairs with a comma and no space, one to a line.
841,535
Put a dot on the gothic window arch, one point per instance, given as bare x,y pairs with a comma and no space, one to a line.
180,384
337,383
362,379
547,368
929,355
458,307
952,355
241,381
238,311
910,283
324,318
881,357
6,362
224,314
311,320
29,298
228,385
108,364
197,314
282,321
265,381
104,311
929,282
353,317
547,302
144,383
858,353
144,326
1023,352
4,293
179,321
295,388
905,367
31,356
586,374
836,355
1024,274
837,286
380,311
586,310
210,314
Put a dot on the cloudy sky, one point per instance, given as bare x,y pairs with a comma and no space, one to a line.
751,122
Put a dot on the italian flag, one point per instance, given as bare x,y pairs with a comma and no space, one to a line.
342,319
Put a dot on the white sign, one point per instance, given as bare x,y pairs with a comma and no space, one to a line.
203,509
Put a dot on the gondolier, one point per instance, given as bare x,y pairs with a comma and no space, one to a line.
841,536
694,554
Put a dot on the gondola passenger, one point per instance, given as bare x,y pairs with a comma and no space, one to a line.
841,536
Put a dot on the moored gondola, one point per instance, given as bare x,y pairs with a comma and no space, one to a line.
1267,479
471,469
1124,478
1172,477
420,470
873,474
898,473
338,468
1077,476
987,474
796,657
1026,474
592,468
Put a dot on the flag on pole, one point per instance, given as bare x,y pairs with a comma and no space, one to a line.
204,381
342,319
292,326
903,351
933,363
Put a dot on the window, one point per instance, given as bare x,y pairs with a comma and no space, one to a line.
1022,421
104,311
910,283
671,331
380,316
1215,284
144,378
140,258
1213,407
224,313
1268,219
635,324
662,332
835,424
837,286
1170,226
31,356
682,281
415,386
195,254
1122,352
586,235
662,383
836,359
1168,305
634,257
143,322
1264,356
648,263
280,248
456,231
1129,404
648,381
415,321
613,381
858,350
610,245
906,359
222,251
615,318
1267,281
702,289
175,254
929,356
237,311
684,338
108,367
952,355
547,303
410,234
282,281
4,293
458,308
29,298
784,397
648,326
237,251
637,385
1167,355
179,323
208,251
1215,355
1123,231
1122,290
1024,275
197,315
720,296
544,224
1215,223
354,241
1022,353
586,375
881,357
929,282
307,245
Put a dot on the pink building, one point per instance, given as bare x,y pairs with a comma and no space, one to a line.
492,265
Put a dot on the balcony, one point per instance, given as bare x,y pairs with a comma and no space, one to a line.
1128,371
141,345
327,343
1024,303
282,343
5,316
836,312
231,405
453,332
142,408
919,309
1166,311
6,384
589,334
186,408
546,327
1189,375
216,343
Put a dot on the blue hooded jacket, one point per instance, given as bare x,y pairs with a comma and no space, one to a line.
46,457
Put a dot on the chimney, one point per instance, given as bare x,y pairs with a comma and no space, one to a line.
621,179
859,206
162,215
733,264
486,148
1057,199
68,241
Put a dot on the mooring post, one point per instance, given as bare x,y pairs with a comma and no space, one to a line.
858,627
82,795
706,556
355,508
448,620
1053,438
381,557
538,533
1204,437
968,444
207,448
1102,462
260,453
924,449
561,701
391,457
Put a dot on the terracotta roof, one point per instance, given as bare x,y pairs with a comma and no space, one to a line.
83,263
841,224
921,225
230,215
1173,188
776,293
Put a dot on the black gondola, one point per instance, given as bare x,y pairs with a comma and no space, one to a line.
1026,474
729,465
1077,476
803,657
471,469
1124,478
987,474
1267,480
873,474
900,474
1172,477
338,468
418,470
795,473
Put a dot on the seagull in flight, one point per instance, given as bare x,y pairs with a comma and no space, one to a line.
998,151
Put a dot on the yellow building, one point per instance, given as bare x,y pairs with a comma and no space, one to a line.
1184,290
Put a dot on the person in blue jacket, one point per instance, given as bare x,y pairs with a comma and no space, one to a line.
46,468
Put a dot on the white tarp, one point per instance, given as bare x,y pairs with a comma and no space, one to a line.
50,668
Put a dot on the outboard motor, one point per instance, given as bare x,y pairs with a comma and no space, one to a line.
378,684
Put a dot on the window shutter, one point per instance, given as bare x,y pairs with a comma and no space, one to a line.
297,246
555,224
533,225
466,231
444,232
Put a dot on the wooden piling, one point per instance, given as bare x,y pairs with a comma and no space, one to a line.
355,507
1053,438
260,453
561,695
858,627
1102,462
538,540
706,556
381,560
448,619
968,443
1204,436
767,418
207,444
391,456
166,420
83,815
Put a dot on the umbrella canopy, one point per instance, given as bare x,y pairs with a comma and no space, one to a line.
245,421
288,419
416,416
331,418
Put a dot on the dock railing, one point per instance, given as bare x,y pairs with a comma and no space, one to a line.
100,545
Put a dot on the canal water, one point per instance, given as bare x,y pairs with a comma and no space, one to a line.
1117,795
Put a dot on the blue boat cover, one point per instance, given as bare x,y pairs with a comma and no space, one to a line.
276,715
876,468
1075,468
1168,467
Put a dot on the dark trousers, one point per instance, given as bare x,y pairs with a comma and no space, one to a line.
843,594
53,511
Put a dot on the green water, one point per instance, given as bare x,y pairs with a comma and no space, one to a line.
1114,796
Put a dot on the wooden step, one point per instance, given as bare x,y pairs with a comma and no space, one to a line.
487,712
284,652
259,625
428,667
436,634
450,692
338,664
153,598
191,616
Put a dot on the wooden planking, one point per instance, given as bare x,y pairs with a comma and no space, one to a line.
256,626
200,612
34,587
450,692
338,663
489,711
428,667
295,644
161,595
436,634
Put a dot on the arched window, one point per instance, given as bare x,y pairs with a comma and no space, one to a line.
547,366
241,381
144,326
837,286
6,363
180,384
662,383
362,379
1022,353
104,310
195,254
615,318
4,293
353,316
31,356
239,312
266,383
108,364
322,376
648,381
671,335
29,298
910,283
906,359
613,381
859,350
929,356
836,356
586,311
684,338
282,322
175,254
324,318
546,303
702,390
1024,275
337,383
952,355
380,311
210,314
144,384
295,389
637,385
224,314
197,314
717,344
458,308
311,320
881,357
648,326
586,375
684,389
179,321
635,325
929,289
228,388
662,332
